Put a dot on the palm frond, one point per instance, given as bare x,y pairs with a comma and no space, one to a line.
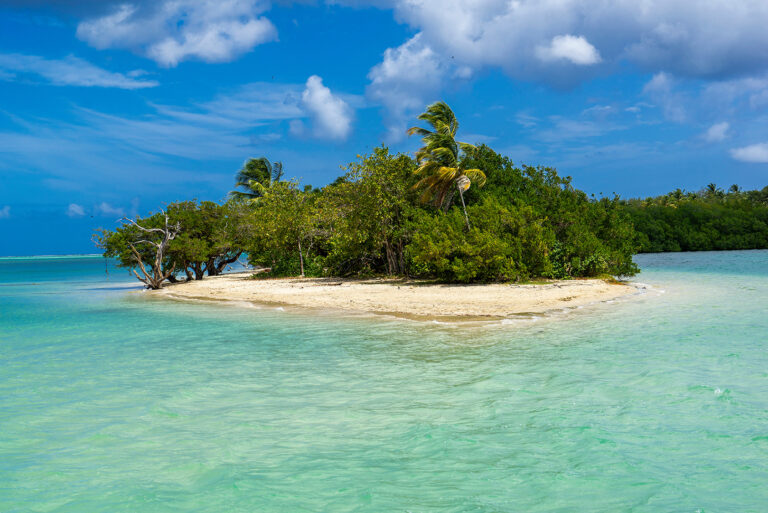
418,130
242,195
477,176
441,156
277,171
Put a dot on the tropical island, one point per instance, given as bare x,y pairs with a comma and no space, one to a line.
397,233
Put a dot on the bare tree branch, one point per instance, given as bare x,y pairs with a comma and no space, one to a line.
158,276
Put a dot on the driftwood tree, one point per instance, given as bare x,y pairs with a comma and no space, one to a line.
162,239
187,238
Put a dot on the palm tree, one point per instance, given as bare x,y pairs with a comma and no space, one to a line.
713,190
255,178
441,159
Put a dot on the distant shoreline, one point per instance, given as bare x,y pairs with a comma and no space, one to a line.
401,298
31,257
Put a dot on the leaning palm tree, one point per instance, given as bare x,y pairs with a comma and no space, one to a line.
255,178
441,159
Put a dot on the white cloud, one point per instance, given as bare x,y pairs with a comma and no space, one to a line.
171,31
679,36
70,71
331,116
225,126
570,48
409,77
661,89
105,209
747,92
75,210
142,151
636,108
526,120
563,129
542,40
5,212
296,127
717,132
557,42
249,105
757,153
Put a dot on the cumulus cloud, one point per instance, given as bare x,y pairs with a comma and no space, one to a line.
405,81
5,212
105,209
331,116
559,42
69,71
717,132
570,48
757,153
75,210
679,36
171,31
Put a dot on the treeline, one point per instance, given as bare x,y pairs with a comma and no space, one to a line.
706,220
526,222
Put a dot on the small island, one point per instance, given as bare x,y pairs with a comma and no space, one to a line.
454,231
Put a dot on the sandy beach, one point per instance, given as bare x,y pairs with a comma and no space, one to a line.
401,298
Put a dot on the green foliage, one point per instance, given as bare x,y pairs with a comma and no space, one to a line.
367,211
284,228
588,237
442,160
507,243
701,221
527,223
211,237
255,178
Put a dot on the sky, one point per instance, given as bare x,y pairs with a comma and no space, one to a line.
115,108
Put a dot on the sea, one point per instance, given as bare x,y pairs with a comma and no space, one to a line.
113,400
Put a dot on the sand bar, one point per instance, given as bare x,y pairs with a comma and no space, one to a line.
412,299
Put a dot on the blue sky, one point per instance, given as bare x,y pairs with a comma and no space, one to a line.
114,108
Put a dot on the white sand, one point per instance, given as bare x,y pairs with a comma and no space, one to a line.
403,298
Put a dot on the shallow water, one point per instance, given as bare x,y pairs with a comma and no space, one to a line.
113,401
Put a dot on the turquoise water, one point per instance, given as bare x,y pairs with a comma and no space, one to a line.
111,401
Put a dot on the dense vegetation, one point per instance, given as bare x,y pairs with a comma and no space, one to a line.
455,213
526,222
711,219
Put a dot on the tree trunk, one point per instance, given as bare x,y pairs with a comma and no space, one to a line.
158,276
223,263
210,267
463,205
391,259
301,258
447,204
